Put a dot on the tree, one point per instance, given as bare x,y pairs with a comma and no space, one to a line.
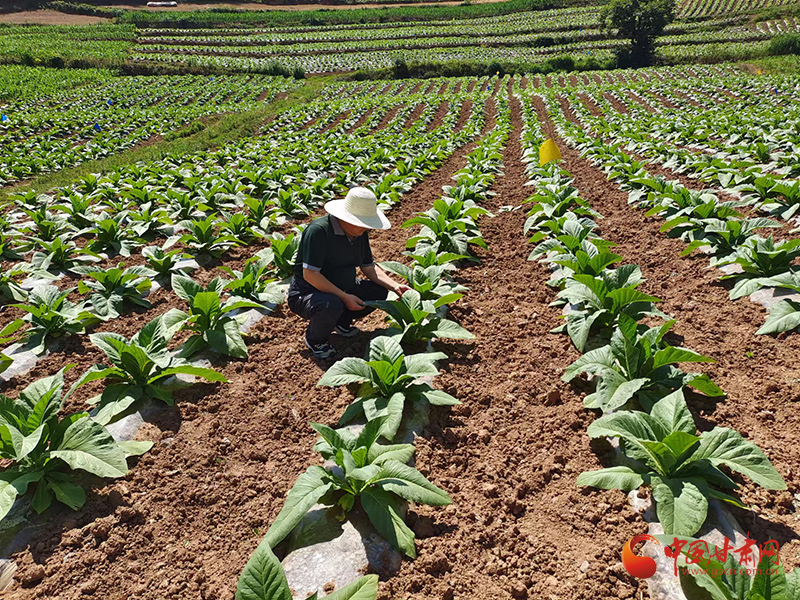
641,22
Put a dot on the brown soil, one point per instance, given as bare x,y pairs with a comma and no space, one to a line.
361,121
440,114
50,17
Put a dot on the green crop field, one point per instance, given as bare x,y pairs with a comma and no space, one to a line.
590,340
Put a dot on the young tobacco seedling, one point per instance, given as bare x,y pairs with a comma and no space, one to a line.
203,237
388,381
598,301
253,283
724,238
164,263
412,319
761,259
284,253
431,282
110,289
50,314
209,318
681,467
139,367
638,365
60,254
112,238
364,472
45,450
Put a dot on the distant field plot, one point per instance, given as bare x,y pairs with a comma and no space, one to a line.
706,8
42,133
527,37
40,44
17,81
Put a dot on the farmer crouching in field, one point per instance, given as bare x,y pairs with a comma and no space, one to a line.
325,289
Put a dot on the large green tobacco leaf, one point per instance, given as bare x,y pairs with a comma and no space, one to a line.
346,370
227,340
87,445
722,446
17,444
383,510
305,493
680,505
263,577
12,485
612,478
784,316
410,484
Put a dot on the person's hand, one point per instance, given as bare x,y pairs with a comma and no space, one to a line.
401,289
353,303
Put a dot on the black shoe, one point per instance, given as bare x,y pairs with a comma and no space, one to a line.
323,350
348,331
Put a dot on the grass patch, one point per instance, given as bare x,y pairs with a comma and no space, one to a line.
774,65
218,130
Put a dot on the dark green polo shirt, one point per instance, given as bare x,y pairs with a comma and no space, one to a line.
325,247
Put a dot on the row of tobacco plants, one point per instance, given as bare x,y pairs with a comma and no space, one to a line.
756,167
639,388
366,455
172,215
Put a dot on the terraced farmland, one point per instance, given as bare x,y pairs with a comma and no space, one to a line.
599,340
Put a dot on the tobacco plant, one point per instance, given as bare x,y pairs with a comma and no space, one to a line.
254,283
412,319
164,263
45,450
51,315
761,259
139,367
366,473
638,365
389,381
203,237
111,288
597,302
209,319
680,466
111,237
60,254
431,282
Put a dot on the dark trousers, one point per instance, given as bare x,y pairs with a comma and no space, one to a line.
326,311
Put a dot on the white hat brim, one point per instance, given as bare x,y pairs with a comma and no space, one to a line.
338,210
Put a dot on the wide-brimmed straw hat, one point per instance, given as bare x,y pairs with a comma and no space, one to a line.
359,207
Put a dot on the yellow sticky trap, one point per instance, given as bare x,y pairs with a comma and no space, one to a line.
758,72
548,152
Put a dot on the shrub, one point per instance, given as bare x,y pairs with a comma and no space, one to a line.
785,43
